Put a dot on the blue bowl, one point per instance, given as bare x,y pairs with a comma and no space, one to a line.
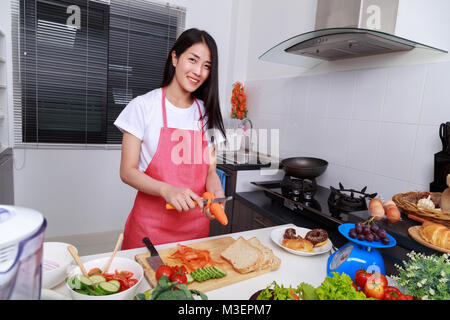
345,228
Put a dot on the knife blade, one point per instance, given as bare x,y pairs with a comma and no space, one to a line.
154,260
205,202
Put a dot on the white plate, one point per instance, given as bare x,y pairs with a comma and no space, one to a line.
277,237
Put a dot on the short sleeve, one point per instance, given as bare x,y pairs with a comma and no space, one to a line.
132,119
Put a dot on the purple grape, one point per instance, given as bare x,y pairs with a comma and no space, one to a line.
366,230
361,237
381,233
359,227
369,237
375,237
352,233
374,228
385,240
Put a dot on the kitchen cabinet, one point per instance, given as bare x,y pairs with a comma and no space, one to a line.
245,219
6,177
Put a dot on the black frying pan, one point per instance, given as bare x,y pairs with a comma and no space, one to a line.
304,167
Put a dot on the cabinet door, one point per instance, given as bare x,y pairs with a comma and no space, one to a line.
245,218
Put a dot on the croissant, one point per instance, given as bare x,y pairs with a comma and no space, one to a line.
436,234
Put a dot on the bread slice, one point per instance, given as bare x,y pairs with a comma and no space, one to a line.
267,253
243,256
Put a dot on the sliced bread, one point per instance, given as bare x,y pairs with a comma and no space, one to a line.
267,253
243,256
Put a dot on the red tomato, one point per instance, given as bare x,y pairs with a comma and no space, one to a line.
126,274
132,282
361,277
163,270
181,269
391,293
374,290
378,278
178,277
94,271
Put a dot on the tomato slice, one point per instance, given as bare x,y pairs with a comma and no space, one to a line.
127,274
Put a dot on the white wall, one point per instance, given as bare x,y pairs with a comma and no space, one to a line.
375,119
79,191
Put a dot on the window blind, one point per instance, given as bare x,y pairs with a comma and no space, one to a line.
77,63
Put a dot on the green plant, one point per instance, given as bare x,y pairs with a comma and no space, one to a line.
425,276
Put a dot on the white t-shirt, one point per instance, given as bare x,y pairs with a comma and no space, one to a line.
142,117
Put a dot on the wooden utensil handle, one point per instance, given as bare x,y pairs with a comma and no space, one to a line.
118,243
171,207
77,260
416,218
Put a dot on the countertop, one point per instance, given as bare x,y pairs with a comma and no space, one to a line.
293,270
259,202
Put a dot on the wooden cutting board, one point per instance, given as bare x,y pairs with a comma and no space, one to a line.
414,232
215,247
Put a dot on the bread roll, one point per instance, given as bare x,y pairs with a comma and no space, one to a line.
392,213
436,234
376,209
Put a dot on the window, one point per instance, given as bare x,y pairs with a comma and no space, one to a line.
77,63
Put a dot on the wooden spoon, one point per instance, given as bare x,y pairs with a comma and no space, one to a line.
118,243
77,260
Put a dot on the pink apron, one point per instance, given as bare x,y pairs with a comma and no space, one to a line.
149,216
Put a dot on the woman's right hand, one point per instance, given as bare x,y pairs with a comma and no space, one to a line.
181,199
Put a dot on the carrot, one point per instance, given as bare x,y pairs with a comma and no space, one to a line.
193,258
217,210
208,196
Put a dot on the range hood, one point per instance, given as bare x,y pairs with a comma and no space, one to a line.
345,29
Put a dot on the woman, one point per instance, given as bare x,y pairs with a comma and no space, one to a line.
167,147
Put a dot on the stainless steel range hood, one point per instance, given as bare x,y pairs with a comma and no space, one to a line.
345,29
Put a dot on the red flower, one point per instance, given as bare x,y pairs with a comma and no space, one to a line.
238,101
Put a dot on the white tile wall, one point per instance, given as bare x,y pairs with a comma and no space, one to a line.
377,127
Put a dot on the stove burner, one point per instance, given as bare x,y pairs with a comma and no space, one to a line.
347,200
298,189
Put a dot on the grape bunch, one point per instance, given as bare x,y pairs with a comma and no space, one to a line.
368,231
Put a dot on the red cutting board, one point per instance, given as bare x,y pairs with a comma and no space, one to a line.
215,247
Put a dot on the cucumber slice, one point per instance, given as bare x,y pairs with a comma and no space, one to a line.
85,282
221,272
115,282
189,278
97,278
108,288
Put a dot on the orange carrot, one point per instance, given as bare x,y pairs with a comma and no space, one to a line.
193,258
217,210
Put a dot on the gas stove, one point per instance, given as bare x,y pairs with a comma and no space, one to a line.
305,196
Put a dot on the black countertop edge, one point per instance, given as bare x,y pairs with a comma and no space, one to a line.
244,166
259,202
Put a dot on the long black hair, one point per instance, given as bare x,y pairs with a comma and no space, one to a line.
209,90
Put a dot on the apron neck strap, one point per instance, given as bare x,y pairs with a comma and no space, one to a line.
164,109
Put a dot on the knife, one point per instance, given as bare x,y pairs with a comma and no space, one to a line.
154,260
205,202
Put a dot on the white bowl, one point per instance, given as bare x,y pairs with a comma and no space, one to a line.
56,259
119,264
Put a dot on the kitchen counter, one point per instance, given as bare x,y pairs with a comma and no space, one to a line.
293,270
258,201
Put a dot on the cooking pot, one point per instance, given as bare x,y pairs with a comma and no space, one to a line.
304,167
444,134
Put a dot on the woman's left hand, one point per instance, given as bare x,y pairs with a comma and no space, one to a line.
207,212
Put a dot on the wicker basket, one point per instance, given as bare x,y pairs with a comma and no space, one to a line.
408,203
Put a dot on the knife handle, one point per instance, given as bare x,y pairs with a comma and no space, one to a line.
150,246
170,207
